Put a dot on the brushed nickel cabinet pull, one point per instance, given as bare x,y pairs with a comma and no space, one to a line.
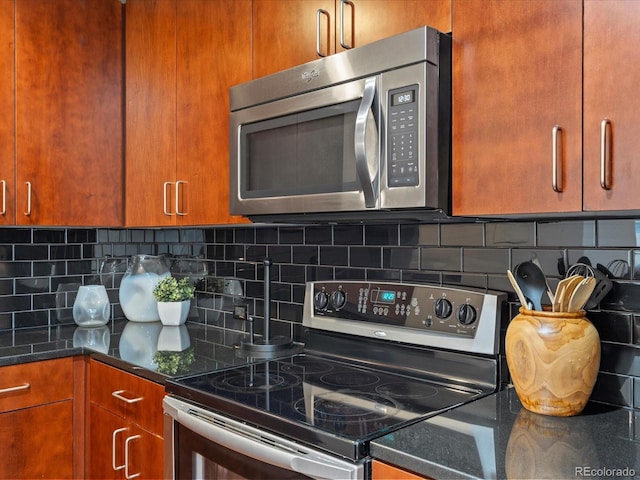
28,212
4,197
178,184
556,158
128,475
319,13
17,388
164,200
118,395
343,42
113,449
605,154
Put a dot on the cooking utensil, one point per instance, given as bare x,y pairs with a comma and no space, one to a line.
549,291
603,282
565,286
532,282
581,294
516,287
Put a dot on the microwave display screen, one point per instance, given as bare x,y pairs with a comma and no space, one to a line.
402,98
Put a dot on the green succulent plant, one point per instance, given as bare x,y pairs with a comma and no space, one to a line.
174,363
169,289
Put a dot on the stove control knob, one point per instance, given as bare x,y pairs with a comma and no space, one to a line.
466,314
321,300
443,308
338,299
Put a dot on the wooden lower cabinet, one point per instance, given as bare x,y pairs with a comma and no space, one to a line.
38,420
37,442
124,425
121,449
384,471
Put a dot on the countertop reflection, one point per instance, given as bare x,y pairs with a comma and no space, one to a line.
495,437
150,350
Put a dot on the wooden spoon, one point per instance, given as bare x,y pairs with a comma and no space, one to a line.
568,291
516,287
561,290
581,294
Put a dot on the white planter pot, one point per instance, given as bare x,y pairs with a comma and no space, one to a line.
174,313
174,339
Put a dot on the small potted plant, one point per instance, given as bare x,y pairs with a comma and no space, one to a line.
174,299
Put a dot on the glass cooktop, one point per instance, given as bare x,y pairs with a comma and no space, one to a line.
324,402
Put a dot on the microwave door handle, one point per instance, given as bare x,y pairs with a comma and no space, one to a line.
369,185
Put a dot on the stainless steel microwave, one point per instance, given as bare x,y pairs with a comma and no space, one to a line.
365,130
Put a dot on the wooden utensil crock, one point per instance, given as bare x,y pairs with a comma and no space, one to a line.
553,358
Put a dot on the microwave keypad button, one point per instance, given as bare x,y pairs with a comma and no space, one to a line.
402,167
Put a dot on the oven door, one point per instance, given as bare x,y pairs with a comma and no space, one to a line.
315,152
202,444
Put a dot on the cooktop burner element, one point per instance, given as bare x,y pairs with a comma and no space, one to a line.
348,406
250,381
349,379
407,390
386,356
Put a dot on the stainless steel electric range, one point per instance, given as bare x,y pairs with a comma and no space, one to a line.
377,357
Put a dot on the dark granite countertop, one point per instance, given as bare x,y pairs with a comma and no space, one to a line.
496,438
189,349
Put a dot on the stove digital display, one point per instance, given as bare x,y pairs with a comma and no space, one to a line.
384,296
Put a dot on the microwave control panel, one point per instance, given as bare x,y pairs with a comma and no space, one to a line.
402,157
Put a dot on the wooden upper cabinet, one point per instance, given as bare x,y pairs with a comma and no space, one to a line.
292,32
150,120
517,73
69,167
214,53
366,21
7,120
285,35
611,75
181,58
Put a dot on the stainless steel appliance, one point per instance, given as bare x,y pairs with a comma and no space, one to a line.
367,129
377,357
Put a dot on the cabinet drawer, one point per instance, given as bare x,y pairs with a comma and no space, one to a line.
127,395
35,383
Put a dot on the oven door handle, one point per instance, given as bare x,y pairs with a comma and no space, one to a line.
366,144
250,445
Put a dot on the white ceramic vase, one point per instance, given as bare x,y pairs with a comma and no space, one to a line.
174,313
91,307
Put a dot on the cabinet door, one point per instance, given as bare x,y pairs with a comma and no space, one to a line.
517,74
384,471
136,399
69,112
7,120
115,442
37,442
182,57
214,53
150,121
30,384
284,33
366,21
611,36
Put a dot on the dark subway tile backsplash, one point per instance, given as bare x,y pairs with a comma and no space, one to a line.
41,269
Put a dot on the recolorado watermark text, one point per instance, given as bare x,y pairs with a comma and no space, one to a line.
603,472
